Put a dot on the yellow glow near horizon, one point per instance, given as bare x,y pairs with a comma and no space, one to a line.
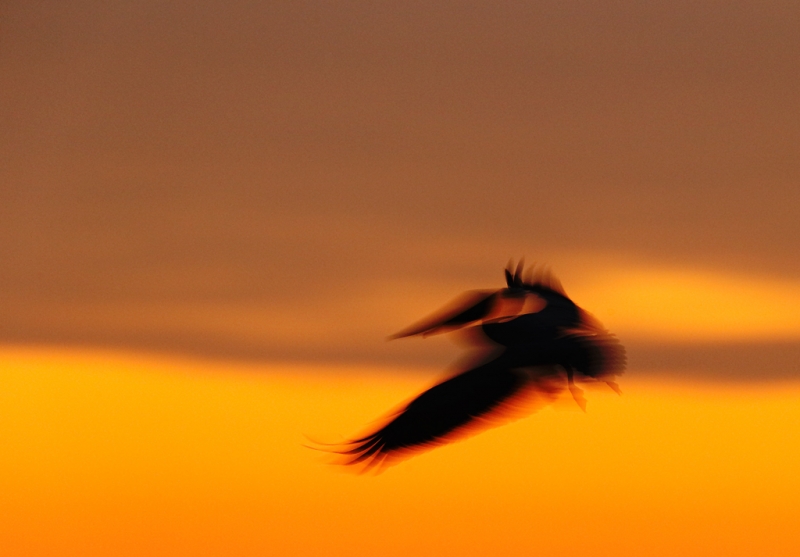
689,305
126,455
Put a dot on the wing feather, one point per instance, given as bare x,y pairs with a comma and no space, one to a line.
476,399
470,306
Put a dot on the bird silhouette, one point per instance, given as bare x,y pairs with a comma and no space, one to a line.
530,337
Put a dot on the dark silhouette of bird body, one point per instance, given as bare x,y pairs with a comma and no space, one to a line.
532,335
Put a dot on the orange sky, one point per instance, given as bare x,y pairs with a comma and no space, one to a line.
213,214
127,455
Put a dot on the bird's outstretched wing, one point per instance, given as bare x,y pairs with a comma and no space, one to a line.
474,306
488,395
470,306
538,291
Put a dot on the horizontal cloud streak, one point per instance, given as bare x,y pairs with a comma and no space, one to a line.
666,332
748,362
740,361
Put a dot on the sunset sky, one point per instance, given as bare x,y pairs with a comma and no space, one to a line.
213,214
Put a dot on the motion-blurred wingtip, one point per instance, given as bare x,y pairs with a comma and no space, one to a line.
614,387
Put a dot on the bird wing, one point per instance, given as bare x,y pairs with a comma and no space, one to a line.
470,306
476,305
485,396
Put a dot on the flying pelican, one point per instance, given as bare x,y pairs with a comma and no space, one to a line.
539,336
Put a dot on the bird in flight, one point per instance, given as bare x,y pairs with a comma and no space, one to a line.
532,341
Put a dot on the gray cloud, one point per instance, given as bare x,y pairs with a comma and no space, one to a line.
719,361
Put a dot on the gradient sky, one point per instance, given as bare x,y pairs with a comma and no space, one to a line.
276,187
